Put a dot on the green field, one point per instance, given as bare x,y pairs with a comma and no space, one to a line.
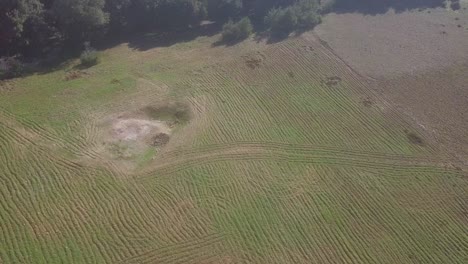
288,157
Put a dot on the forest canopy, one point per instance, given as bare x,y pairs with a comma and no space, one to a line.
33,27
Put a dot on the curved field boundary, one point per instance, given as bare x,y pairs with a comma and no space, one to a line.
299,149
181,160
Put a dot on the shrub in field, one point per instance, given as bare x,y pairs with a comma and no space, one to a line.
307,13
304,14
89,57
233,32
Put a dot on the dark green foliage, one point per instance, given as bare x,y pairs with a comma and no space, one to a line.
233,32
23,27
281,21
14,68
224,9
308,13
304,14
327,5
89,57
79,19
34,28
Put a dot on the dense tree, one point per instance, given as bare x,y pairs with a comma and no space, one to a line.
118,14
180,13
21,24
303,14
79,19
31,27
224,9
233,32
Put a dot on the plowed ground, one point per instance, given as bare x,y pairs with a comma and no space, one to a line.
288,156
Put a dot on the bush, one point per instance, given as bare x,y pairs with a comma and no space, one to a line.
308,19
89,57
13,68
281,21
304,14
233,32
308,13
327,6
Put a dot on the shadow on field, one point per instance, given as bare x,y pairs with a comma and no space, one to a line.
143,42
373,7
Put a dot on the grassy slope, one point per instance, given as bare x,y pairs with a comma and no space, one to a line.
284,168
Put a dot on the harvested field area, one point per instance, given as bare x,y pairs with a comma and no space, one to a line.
417,60
392,44
273,153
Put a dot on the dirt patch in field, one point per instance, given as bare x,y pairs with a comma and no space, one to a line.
130,138
160,140
134,138
72,75
134,129
367,102
6,86
254,61
332,81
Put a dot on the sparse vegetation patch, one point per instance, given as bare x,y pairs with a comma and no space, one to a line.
89,57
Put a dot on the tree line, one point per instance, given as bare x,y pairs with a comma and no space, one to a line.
34,27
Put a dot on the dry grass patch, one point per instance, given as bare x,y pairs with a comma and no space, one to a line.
397,43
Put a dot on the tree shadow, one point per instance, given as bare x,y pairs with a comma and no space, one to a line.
146,41
374,7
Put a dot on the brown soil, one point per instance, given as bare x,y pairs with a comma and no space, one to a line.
332,81
392,44
72,75
414,138
6,86
125,138
254,61
437,102
416,61
160,139
136,129
367,102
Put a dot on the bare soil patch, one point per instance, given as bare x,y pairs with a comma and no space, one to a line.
367,102
332,81
128,138
133,139
134,129
72,75
254,61
160,139
6,86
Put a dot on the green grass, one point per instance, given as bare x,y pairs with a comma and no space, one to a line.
146,157
281,170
